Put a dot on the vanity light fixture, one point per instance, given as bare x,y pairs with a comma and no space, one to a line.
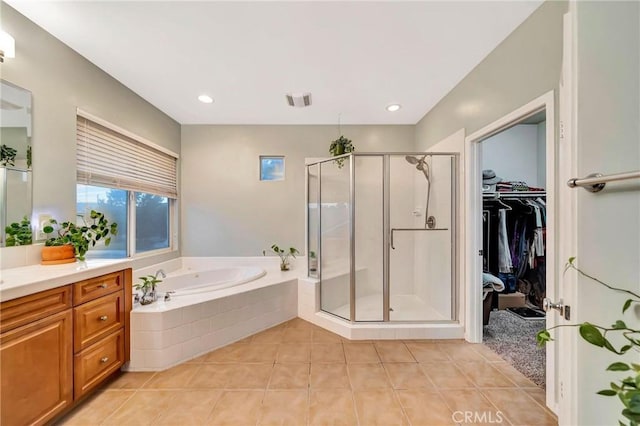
205,99
7,46
393,107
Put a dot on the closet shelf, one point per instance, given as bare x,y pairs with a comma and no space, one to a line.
514,194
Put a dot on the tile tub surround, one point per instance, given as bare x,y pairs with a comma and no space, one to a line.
297,373
164,334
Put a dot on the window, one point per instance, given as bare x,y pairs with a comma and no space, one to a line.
271,167
131,181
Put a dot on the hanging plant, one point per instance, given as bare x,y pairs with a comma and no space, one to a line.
341,146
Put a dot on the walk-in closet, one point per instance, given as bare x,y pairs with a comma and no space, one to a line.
514,243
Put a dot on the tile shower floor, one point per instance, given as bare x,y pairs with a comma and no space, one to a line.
300,374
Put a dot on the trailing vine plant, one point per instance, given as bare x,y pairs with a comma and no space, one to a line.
628,389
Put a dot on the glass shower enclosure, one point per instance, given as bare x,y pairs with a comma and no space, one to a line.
381,235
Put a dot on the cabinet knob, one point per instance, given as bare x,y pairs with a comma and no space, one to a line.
103,285
104,359
104,318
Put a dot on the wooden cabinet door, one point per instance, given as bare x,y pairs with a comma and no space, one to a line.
36,370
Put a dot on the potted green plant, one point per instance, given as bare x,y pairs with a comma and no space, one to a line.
7,155
19,234
148,287
72,241
284,256
341,146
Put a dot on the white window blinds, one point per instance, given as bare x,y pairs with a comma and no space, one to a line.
106,157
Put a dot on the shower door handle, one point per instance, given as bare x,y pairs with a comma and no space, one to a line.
411,229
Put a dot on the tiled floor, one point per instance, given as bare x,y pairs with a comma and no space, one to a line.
299,374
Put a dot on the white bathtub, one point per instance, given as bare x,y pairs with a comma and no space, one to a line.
187,282
216,301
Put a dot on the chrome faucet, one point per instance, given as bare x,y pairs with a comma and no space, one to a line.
160,272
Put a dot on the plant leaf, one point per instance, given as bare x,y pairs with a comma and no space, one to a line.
619,325
618,366
626,305
543,337
592,335
607,392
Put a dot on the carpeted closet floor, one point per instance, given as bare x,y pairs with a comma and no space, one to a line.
514,339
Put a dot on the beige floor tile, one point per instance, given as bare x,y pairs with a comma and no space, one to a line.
484,375
331,407
231,376
268,336
425,407
446,375
360,352
461,351
407,375
245,340
284,407
327,352
231,353
198,360
143,408
294,352
190,407
465,399
329,376
488,354
97,408
378,407
324,336
297,335
173,378
368,376
394,352
300,324
514,375
289,376
259,352
236,408
519,408
539,394
427,352
131,380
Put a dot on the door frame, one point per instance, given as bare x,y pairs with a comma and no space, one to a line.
473,240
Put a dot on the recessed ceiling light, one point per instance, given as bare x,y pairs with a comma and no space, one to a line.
393,107
205,99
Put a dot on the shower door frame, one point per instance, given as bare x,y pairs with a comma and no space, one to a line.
386,191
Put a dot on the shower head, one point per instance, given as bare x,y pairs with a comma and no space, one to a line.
411,159
420,163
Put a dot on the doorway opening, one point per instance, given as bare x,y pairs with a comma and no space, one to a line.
511,241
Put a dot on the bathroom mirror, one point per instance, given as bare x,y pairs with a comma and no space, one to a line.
15,157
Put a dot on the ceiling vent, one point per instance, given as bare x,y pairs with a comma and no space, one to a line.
299,100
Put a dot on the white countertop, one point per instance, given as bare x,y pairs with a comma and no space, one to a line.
18,282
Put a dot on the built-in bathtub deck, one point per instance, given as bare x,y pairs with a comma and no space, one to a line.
165,334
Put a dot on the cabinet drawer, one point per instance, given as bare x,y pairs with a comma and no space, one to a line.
24,310
94,364
84,291
94,320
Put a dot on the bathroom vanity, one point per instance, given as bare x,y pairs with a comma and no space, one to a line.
59,344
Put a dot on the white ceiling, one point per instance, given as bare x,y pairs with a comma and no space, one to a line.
354,57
